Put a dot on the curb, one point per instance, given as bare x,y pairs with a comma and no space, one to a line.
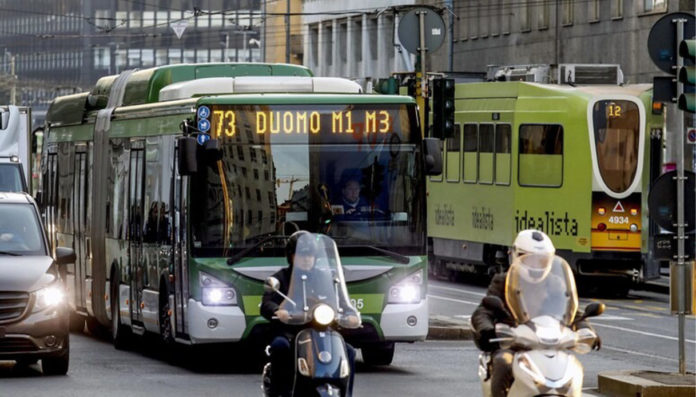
646,384
449,333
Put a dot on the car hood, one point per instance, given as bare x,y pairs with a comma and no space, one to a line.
24,273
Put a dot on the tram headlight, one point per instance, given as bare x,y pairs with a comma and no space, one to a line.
634,227
324,314
216,292
50,296
407,290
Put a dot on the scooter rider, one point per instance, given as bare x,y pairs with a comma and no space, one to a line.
484,319
282,364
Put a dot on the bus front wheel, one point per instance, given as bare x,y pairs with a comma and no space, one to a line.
378,354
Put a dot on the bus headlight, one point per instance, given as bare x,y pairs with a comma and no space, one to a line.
324,314
215,292
407,290
50,296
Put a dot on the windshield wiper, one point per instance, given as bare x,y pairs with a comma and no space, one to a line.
236,257
9,253
367,244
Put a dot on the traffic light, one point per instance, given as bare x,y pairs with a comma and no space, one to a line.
443,108
687,75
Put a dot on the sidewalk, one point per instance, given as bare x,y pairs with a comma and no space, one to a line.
628,383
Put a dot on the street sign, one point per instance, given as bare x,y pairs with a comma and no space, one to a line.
691,135
409,31
662,201
661,40
178,27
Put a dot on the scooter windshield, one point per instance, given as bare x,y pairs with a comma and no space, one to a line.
541,285
317,280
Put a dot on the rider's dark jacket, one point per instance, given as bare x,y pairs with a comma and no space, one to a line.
484,319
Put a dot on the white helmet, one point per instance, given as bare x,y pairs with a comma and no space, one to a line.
531,242
534,251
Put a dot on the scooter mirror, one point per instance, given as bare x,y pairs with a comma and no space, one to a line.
594,309
271,284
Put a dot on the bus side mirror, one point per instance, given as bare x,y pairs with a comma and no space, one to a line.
188,164
432,153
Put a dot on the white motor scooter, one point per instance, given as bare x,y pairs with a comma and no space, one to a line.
544,306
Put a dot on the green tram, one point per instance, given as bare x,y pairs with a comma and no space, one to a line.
573,161
178,186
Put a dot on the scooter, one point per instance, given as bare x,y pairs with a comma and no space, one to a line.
320,304
544,341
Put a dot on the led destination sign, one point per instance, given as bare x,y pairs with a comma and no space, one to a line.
332,123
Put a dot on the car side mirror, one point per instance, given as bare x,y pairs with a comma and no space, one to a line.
271,284
432,154
65,256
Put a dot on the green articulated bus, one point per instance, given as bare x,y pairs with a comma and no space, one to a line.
180,247
573,161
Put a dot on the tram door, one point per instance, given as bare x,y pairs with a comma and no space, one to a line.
136,268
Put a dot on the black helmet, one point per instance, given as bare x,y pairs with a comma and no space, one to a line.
291,245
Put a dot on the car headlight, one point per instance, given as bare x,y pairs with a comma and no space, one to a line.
407,290
215,292
48,297
324,314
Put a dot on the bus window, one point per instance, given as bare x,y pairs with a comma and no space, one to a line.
502,154
470,153
540,155
454,149
485,157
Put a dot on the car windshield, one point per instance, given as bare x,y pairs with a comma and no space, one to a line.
20,232
10,178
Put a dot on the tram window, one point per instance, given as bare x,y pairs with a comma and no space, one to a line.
540,155
485,157
502,154
454,148
439,178
470,153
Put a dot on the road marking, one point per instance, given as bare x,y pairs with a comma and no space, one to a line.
639,353
452,299
595,323
464,316
614,318
457,290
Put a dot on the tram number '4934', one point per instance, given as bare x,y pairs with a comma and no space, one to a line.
618,220
358,303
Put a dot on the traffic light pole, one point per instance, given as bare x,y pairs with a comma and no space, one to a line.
420,100
681,264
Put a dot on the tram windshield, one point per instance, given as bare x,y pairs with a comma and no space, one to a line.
352,172
617,134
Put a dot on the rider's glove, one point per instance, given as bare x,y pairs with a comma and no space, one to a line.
485,340
597,343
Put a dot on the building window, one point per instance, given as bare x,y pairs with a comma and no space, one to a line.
593,11
654,5
525,16
506,17
484,19
540,155
567,10
462,22
543,15
616,9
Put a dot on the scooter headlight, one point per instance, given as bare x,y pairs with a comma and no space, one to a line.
324,314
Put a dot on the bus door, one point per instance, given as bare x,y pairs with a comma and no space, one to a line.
180,251
136,268
80,219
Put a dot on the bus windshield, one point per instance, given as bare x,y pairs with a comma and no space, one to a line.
360,189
